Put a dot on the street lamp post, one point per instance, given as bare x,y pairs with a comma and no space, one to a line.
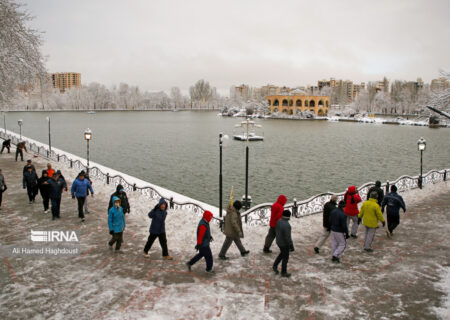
222,138
20,122
87,137
49,136
421,146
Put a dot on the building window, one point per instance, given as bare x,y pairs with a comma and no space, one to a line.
298,103
291,103
269,102
312,103
320,113
285,103
276,103
321,103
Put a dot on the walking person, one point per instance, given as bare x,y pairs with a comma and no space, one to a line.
352,198
57,185
276,212
339,232
204,239
370,214
284,242
19,149
377,188
116,224
79,190
3,187
44,189
327,209
394,202
50,171
158,228
233,230
30,182
121,194
6,144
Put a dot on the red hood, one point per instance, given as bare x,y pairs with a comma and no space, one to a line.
282,200
351,189
207,215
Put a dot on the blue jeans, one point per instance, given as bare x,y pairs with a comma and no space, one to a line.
207,254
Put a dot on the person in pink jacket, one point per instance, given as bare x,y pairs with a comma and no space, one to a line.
352,198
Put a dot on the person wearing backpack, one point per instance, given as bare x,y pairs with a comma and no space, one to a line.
233,230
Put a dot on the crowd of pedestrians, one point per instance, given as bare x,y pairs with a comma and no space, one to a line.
341,219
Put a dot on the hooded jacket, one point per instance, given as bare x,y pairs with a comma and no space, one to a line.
203,230
327,209
116,219
351,199
123,199
80,188
371,213
233,223
379,191
44,188
276,211
158,217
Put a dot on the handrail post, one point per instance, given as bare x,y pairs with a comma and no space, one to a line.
387,187
71,162
107,178
134,187
58,157
295,208
445,175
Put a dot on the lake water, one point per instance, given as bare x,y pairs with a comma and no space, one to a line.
180,151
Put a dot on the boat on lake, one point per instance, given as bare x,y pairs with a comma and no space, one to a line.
251,137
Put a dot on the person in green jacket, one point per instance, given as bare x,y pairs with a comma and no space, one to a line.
370,213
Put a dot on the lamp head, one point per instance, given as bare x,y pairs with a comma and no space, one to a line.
20,122
88,134
421,144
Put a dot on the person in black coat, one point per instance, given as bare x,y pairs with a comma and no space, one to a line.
30,182
29,164
57,185
378,190
393,202
158,228
6,144
339,231
121,194
284,242
327,208
44,189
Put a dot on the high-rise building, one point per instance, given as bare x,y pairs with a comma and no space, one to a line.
440,84
241,92
66,80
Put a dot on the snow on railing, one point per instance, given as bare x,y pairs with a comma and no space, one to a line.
257,215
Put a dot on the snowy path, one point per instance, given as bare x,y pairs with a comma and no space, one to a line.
401,279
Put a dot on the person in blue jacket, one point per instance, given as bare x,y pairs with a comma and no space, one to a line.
80,190
158,228
339,231
116,224
57,185
394,203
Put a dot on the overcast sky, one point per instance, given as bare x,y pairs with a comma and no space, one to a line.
157,44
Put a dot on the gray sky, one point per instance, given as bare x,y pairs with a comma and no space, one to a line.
158,44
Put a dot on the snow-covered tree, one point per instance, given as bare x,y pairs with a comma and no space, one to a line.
21,61
201,92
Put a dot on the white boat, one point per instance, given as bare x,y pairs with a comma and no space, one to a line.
92,112
251,137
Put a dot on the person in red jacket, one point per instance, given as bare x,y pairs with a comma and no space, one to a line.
352,198
276,212
204,238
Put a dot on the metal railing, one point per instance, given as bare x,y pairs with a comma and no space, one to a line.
257,215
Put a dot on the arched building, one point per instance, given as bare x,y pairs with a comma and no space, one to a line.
298,101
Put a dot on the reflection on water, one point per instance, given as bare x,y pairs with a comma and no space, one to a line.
180,151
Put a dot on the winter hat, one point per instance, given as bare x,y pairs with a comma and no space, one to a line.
341,204
286,213
28,161
207,215
378,183
393,188
82,173
237,205
58,172
373,195
122,190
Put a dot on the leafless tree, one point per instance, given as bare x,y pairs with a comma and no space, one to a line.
21,60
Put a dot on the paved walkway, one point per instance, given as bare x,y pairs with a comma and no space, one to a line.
396,281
